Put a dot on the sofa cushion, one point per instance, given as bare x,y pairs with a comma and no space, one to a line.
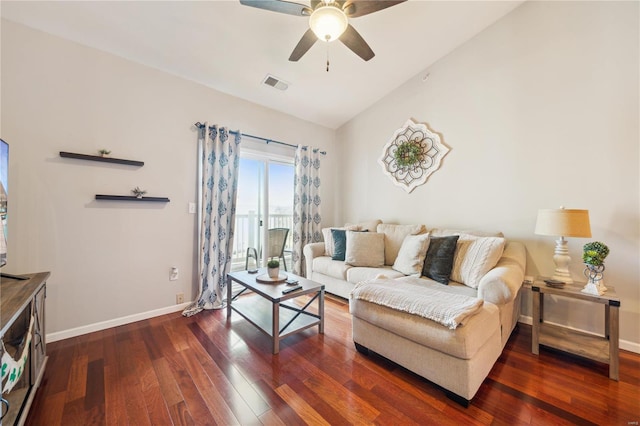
358,274
328,238
463,342
365,249
394,236
457,288
474,257
412,253
413,297
438,262
332,268
444,232
369,225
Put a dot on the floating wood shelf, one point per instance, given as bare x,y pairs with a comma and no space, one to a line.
102,159
130,198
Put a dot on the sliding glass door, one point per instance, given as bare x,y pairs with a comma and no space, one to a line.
265,201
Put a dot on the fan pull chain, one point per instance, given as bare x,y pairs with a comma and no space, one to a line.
327,57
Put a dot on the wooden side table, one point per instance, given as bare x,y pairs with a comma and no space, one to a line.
599,348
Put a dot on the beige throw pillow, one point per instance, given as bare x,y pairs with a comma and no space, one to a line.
328,238
412,253
394,236
474,257
365,249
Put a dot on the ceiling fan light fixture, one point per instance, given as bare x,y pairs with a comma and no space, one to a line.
328,22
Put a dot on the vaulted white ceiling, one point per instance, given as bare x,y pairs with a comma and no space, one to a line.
231,48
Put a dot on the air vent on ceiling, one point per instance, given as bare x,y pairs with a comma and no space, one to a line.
275,82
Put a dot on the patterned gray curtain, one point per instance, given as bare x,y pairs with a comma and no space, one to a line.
220,160
306,203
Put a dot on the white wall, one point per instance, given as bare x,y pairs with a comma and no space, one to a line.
540,110
112,260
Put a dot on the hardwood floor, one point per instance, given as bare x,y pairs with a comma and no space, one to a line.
205,370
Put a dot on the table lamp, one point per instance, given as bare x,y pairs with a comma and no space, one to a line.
563,223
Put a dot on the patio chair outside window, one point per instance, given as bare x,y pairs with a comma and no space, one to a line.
276,241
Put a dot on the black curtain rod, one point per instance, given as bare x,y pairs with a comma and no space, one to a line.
260,138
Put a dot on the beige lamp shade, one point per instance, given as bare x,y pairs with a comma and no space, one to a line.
563,223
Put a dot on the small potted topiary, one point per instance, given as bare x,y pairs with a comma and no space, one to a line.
593,256
273,269
594,253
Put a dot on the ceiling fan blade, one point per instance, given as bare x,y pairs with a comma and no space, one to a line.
355,8
305,43
354,41
279,6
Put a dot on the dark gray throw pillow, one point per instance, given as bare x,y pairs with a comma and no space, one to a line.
339,243
439,261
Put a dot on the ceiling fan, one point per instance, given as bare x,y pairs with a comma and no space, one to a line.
328,21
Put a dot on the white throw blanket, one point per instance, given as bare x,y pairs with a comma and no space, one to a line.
415,298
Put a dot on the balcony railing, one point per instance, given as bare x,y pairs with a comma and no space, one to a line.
247,234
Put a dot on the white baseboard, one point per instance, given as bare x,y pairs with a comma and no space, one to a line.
79,331
623,344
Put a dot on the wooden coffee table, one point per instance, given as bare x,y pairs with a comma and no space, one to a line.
270,310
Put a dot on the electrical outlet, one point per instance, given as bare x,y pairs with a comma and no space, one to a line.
179,298
192,208
173,275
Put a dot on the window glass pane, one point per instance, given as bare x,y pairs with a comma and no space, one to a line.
248,212
281,198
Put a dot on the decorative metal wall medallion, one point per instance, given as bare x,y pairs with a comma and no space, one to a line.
412,154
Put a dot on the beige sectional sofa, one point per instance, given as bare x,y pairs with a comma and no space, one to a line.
456,358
